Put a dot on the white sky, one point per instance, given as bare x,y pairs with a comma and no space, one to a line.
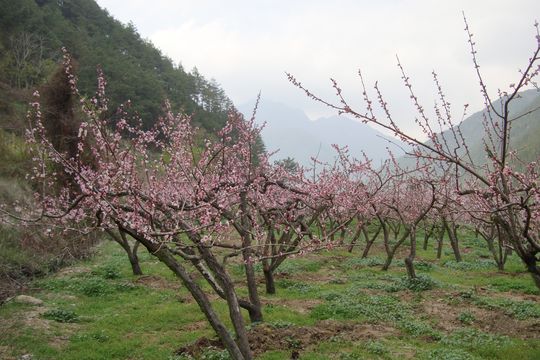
247,46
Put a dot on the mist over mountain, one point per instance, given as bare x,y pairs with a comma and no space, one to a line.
524,130
290,131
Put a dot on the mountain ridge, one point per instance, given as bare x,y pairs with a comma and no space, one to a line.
295,135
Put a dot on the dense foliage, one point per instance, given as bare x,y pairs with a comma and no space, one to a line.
32,34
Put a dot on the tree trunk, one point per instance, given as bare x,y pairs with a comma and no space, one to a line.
134,260
238,351
532,268
356,236
391,252
255,313
440,241
409,260
269,281
369,242
131,253
452,234
427,236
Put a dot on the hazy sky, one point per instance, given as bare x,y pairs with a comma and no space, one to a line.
247,46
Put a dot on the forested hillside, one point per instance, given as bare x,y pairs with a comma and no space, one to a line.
32,34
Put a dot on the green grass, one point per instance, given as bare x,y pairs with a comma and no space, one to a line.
98,310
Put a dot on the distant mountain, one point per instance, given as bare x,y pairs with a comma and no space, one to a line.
291,132
524,132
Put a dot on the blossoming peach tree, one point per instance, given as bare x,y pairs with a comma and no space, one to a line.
506,189
193,203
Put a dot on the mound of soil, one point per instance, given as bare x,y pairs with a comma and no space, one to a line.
265,337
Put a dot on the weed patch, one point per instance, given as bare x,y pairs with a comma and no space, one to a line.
480,264
466,318
296,286
354,305
420,283
356,263
520,310
472,339
91,286
61,315
448,354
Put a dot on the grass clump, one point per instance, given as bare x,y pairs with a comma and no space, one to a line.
108,271
353,305
91,286
280,324
480,264
212,354
99,336
419,283
448,354
351,356
521,310
356,263
512,284
376,347
61,315
296,286
417,328
472,339
394,284
466,318
423,266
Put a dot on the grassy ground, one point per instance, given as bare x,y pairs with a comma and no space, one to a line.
330,305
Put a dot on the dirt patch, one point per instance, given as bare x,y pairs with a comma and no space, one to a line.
5,353
302,306
199,346
72,270
157,282
198,325
265,337
33,318
493,321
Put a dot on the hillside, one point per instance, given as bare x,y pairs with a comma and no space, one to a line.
290,131
524,133
32,34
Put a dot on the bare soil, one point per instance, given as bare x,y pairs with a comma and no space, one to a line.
265,337
445,317
157,282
